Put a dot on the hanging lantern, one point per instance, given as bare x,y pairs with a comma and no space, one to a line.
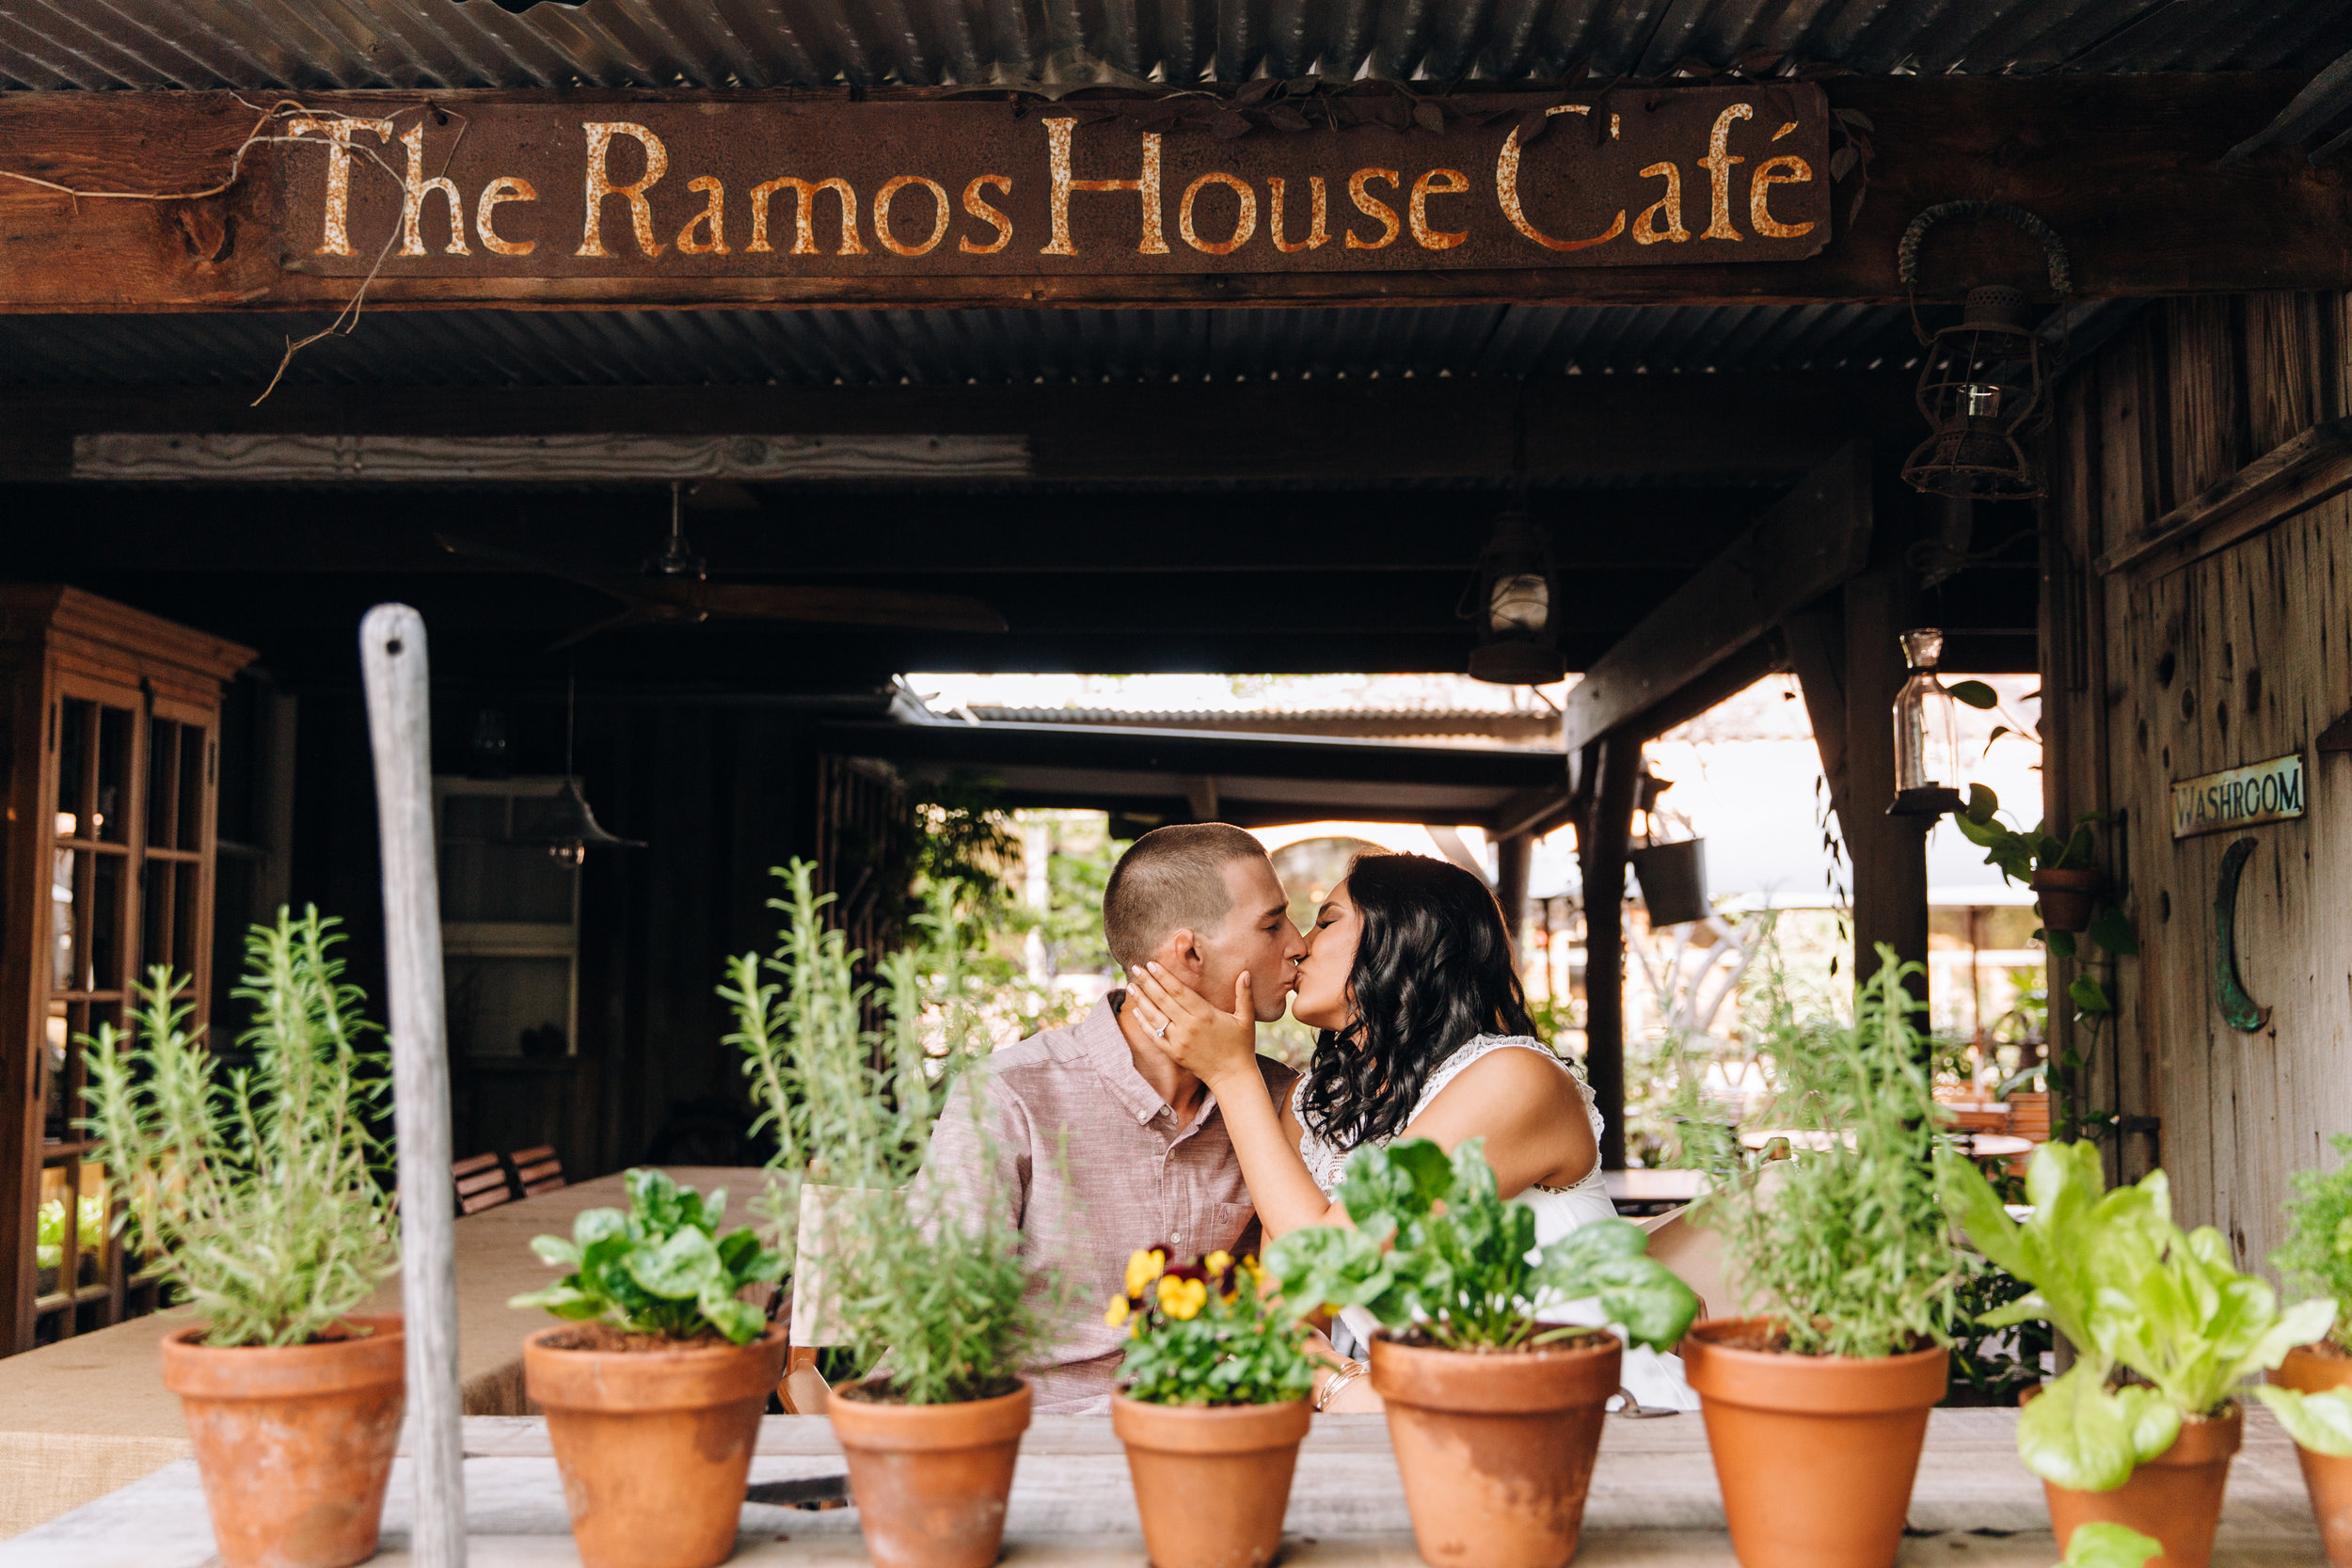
1927,733
1983,383
1514,600
568,827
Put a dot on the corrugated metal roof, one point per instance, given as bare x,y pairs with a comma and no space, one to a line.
668,348
319,44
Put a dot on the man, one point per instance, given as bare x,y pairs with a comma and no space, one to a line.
1098,1143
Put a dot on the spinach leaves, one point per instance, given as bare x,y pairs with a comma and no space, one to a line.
661,1268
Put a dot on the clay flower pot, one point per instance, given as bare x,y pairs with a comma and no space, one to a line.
653,1445
2314,1369
2066,898
1816,1454
1496,1447
2175,1496
295,1443
1211,1482
931,1480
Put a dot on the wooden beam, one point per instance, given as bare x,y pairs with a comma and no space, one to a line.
1601,852
1698,428
2128,168
1887,854
1814,539
2299,473
1815,643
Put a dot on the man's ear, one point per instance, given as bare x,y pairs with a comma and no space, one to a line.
1179,953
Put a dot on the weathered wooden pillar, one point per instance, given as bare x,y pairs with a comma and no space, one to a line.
1603,836
1513,856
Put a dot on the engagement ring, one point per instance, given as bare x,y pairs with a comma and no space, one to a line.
1161,1033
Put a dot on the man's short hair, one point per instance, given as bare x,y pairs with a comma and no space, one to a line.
1172,880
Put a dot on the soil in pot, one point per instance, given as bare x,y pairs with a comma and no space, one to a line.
652,1438
930,1480
1212,1481
1496,1448
1816,1454
2175,1498
2314,1369
295,1443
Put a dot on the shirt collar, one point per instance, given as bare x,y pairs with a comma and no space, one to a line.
1104,1046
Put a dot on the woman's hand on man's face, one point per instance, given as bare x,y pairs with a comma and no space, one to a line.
1208,1043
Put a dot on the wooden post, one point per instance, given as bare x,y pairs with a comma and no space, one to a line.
392,661
1889,853
1603,840
1512,854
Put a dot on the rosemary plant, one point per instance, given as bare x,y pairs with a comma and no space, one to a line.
1847,1249
2318,1254
908,1271
257,1194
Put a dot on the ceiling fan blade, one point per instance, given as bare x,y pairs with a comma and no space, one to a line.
619,585
841,607
635,615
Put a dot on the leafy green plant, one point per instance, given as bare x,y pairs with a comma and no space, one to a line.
1846,1248
2101,1545
1205,1332
936,1285
2134,1295
661,1269
257,1194
1434,1248
2318,1258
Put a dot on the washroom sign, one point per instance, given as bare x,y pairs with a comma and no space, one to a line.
578,186
2259,792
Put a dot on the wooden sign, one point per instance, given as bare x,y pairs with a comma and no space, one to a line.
2239,796
763,186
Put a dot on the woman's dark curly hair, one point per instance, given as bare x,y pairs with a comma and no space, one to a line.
1433,969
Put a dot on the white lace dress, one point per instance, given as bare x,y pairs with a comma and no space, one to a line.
1558,1210
1656,1380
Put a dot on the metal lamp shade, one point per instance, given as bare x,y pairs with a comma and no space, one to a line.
568,823
1673,881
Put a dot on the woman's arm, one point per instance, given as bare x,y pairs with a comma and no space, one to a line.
1530,1114
1221,1049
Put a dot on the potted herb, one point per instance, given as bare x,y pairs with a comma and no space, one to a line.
2061,871
655,1385
2140,1430
255,1195
1817,1404
1212,1409
2312,1397
2105,1546
927,1294
1495,1415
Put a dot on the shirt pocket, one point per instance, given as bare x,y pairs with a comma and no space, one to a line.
1225,1226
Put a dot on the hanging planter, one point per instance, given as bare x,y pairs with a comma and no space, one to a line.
1673,879
2067,898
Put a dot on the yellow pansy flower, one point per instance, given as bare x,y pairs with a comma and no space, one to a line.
1143,1267
1117,1313
1217,1261
1182,1298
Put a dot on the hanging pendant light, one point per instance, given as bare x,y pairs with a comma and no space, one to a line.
567,826
1983,383
1926,732
1514,600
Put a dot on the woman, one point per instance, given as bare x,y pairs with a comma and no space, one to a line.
1424,1035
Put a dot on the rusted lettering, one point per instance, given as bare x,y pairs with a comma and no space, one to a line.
1318,224
1059,185
1373,208
600,186
804,194
1719,163
504,189
977,205
335,236
1438,182
1244,218
889,192
1666,209
1507,188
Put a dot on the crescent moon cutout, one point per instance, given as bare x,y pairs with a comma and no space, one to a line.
2239,1009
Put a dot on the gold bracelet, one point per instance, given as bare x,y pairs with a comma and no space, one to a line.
1349,1371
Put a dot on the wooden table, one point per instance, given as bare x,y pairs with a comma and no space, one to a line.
1654,1503
88,1415
1652,1190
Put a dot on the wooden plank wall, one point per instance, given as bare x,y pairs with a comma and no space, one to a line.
2148,679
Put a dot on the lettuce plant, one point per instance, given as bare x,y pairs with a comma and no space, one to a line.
661,1268
2318,1257
2101,1545
1434,1246
1205,1333
2135,1295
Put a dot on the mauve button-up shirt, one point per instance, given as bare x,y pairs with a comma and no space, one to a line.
1093,1165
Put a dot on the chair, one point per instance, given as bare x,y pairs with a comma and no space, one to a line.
482,1183
536,1171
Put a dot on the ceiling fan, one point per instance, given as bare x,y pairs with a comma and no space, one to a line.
672,588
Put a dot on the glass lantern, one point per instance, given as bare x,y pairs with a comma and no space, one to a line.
1927,733
1514,603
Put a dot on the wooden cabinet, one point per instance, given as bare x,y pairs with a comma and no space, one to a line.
109,764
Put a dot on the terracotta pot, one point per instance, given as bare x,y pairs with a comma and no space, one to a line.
1496,1448
931,1480
2175,1496
2310,1370
295,1443
1816,1454
1211,1482
653,1446
2066,898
